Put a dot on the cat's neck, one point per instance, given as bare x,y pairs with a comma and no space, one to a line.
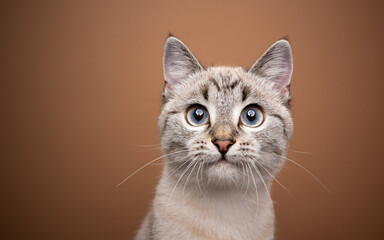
230,212
252,196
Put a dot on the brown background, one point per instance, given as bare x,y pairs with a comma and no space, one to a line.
80,91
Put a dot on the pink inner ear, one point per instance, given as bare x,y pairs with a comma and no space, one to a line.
170,76
283,80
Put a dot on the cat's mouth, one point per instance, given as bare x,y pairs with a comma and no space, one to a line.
216,162
221,161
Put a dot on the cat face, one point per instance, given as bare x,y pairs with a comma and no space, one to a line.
220,126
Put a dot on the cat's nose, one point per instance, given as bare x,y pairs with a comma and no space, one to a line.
223,144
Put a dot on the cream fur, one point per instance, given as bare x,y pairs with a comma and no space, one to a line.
198,196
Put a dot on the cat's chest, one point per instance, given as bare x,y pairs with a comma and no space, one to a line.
203,220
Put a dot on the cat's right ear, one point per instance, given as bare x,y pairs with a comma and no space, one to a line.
178,63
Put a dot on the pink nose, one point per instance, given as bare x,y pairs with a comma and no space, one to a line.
223,145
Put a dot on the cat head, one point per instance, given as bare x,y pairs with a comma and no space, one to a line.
221,124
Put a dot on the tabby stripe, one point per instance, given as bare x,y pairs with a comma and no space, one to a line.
204,91
233,85
246,91
215,83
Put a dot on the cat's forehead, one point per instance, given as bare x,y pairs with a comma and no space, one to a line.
225,77
225,85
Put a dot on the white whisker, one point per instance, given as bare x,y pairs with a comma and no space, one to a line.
302,167
186,169
149,145
243,182
245,171
257,193
186,181
197,178
262,179
281,185
201,176
156,159
295,151
180,165
160,163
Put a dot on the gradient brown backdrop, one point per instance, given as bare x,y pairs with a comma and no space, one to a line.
80,91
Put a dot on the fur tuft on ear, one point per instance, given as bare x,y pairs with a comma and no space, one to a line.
178,63
276,65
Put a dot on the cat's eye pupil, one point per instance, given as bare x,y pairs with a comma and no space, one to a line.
199,114
251,115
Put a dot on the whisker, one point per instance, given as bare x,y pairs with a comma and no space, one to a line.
186,169
179,166
246,190
149,145
186,181
262,179
281,185
156,159
245,172
161,163
243,183
257,162
243,161
201,175
257,193
197,178
295,151
302,167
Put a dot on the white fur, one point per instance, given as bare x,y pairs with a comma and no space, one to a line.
200,196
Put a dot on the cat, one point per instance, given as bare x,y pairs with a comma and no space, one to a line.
224,132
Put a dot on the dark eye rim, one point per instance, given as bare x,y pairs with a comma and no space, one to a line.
197,106
255,106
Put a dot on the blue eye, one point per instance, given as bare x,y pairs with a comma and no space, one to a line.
252,116
197,115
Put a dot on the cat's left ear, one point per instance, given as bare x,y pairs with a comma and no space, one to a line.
276,65
178,63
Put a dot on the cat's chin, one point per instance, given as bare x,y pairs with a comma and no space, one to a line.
223,173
